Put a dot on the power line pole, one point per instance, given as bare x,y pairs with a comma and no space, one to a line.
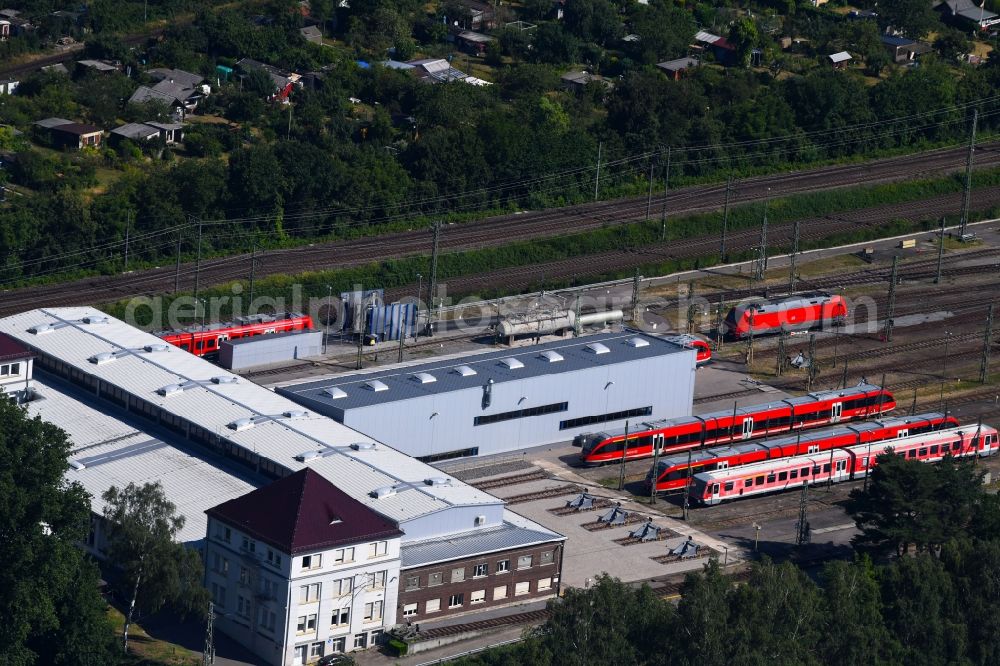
718,325
635,296
128,228
780,366
177,270
597,173
968,175
795,251
666,191
657,441
649,193
621,473
984,363
887,334
802,527
811,374
687,487
253,269
940,257
432,283
763,236
749,354
725,220
197,265
208,656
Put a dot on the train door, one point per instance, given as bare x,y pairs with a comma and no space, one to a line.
658,444
836,409
715,493
748,427
841,467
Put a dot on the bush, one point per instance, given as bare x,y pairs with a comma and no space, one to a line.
399,646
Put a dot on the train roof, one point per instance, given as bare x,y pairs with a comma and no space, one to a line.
784,302
248,320
727,450
824,457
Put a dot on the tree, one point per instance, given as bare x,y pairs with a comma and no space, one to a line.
851,592
914,17
702,632
52,612
593,20
553,44
665,30
156,570
744,37
952,44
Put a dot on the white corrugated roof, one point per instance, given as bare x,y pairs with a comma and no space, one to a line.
213,406
107,451
840,56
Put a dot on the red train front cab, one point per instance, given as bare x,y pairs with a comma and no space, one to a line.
702,349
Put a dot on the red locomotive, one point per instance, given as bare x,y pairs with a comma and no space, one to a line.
206,340
703,350
838,465
801,311
726,427
672,472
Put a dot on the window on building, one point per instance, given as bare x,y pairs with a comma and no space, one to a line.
219,595
302,624
456,600
458,575
373,611
378,549
521,413
341,587
309,594
376,580
604,418
432,606
480,570
243,606
434,579
273,558
244,575
310,562
220,564
338,644
522,588
477,597
499,592
412,583
340,617
265,618
223,533
360,641
268,587
547,557
503,566
409,610
249,544
316,650
544,584
343,556
524,562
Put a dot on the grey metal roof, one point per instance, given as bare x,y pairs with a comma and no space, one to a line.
678,64
514,532
49,123
177,75
450,375
136,131
145,94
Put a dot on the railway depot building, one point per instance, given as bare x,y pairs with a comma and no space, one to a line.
499,401
140,410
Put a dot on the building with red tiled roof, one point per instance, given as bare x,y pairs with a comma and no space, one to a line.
299,569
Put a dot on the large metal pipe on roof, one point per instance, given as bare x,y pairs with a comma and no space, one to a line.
550,323
601,317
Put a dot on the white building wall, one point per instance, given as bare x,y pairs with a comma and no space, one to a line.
15,376
245,609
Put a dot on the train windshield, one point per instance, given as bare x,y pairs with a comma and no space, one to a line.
590,442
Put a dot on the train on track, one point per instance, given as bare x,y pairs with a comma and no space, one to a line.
813,410
838,465
798,312
672,473
205,340
701,347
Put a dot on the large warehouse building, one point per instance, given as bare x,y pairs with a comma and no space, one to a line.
498,401
139,410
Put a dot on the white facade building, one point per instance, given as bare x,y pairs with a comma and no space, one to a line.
15,368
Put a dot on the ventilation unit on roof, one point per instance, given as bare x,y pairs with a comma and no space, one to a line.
376,385
551,356
225,380
307,456
241,424
102,358
77,465
423,377
41,329
363,446
95,319
333,393
169,390
296,414
464,371
383,492
156,347
511,363
597,348
637,342
437,481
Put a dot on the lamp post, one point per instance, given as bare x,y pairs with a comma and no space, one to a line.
326,334
944,373
756,536
420,291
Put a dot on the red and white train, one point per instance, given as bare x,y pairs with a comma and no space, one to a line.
206,340
854,462
801,311
672,472
701,347
726,427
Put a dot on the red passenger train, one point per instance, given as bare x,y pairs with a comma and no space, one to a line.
839,465
801,311
206,340
702,349
672,472
726,427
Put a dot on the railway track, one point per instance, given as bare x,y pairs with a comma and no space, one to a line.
512,480
498,231
558,491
